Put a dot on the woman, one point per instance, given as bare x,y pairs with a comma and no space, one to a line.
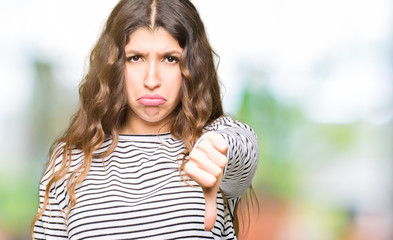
149,154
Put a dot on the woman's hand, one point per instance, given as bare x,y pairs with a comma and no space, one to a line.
205,166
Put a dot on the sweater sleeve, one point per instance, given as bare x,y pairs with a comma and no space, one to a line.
243,152
51,225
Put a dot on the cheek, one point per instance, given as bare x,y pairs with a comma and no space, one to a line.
176,84
175,77
179,84
129,84
171,79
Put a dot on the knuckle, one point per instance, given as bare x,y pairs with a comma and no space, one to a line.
217,173
189,168
225,145
203,144
186,168
221,161
224,162
210,182
193,155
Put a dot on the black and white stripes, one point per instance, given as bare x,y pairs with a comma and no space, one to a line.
137,193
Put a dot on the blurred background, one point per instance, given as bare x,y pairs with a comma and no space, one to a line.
314,78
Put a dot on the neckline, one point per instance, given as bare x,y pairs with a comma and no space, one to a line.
144,135
156,137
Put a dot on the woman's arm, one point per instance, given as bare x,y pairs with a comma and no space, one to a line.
243,152
226,156
51,225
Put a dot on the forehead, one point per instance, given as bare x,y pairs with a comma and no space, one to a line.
145,39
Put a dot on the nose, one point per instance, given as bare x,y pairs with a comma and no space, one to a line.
152,80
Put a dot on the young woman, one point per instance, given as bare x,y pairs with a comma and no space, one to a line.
149,154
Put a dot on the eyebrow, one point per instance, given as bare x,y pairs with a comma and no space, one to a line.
163,53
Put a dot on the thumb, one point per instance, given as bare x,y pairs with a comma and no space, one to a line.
210,195
210,207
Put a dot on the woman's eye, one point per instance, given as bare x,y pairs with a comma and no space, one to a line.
171,59
135,58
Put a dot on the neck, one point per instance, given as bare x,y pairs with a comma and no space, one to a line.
140,131
138,126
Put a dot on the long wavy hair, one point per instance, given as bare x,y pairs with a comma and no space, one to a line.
103,100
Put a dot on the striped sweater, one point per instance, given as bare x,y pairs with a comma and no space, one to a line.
136,192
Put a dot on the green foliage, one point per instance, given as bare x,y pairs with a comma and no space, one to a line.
276,125
48,112
18,203
290,143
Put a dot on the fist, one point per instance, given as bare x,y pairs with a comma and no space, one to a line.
206,163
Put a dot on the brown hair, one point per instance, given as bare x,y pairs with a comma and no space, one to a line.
103,102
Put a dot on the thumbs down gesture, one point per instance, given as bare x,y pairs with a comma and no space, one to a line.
206,163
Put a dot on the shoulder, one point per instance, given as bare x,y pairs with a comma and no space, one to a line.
58,162
227,122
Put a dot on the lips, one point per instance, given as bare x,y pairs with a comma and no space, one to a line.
151,100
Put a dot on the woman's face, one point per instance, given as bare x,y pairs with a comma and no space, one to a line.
153,80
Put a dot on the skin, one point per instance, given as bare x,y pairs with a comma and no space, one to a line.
205,166
152,69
